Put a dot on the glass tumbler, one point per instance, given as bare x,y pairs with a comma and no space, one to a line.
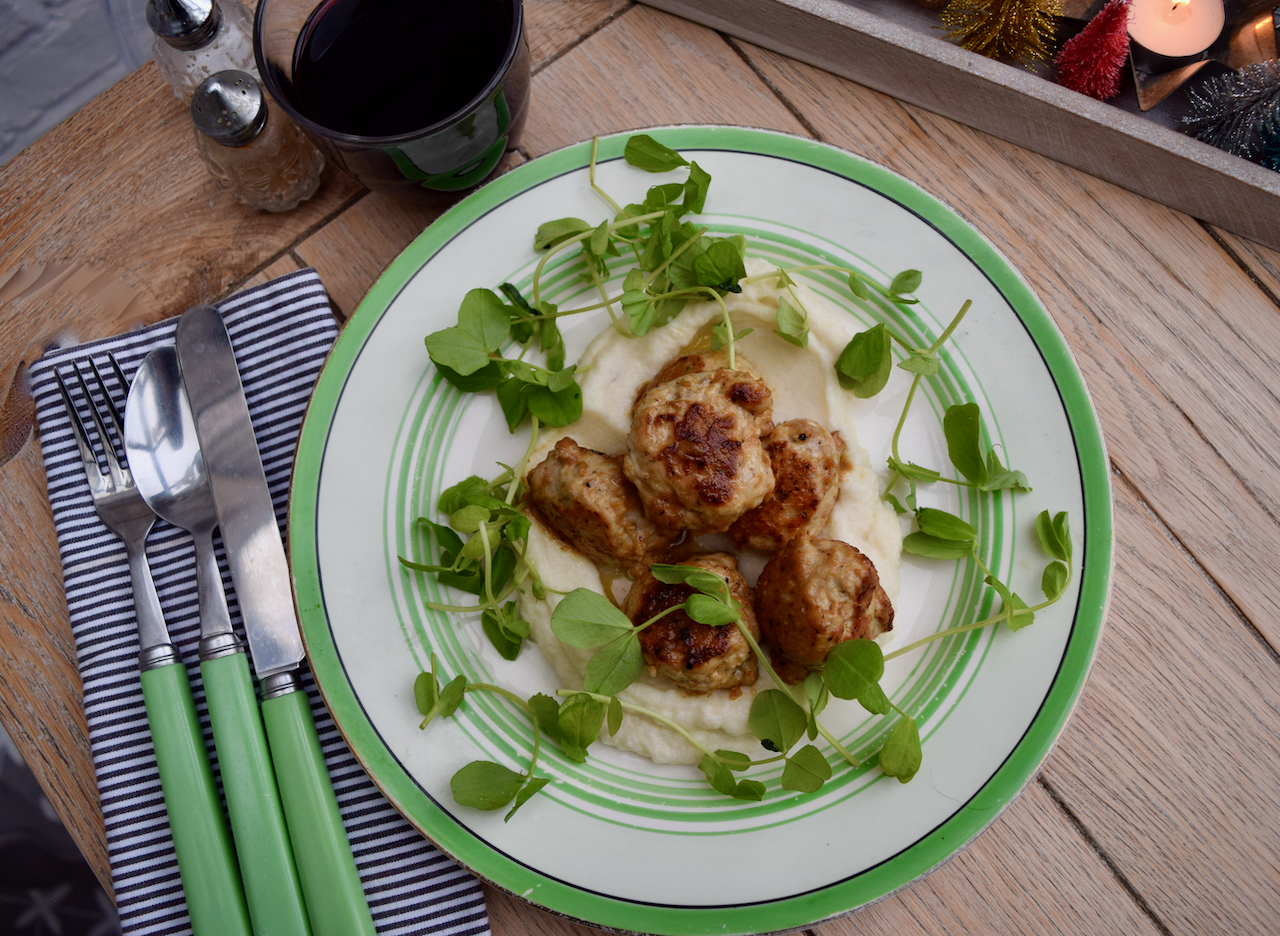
418,99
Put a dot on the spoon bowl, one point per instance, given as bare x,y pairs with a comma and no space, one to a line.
164,455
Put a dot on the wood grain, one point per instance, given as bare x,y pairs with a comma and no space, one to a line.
556,25
646,68
1181,352
1172,757
351,251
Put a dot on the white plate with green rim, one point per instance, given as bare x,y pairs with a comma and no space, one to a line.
619,842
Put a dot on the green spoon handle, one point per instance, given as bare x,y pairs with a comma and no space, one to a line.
330,882
210,877
262,844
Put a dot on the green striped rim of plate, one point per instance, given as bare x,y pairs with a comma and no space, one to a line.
383,414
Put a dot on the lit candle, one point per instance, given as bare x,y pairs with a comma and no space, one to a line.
1180,31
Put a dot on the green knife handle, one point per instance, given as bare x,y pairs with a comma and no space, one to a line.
210,878
253,801
330,882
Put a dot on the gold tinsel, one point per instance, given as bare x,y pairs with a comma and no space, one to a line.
1015,31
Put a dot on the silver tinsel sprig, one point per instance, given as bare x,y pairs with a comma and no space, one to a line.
1237,112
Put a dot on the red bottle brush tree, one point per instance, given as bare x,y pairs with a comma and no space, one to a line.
1092,61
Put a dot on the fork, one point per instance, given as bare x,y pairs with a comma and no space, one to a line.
206,862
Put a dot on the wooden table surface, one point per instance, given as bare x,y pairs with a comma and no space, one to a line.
1158,812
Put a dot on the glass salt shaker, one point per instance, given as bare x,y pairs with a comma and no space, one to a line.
198,38
262,157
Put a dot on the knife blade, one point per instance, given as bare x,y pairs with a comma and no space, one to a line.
331,885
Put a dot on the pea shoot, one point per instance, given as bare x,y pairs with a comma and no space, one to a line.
492,347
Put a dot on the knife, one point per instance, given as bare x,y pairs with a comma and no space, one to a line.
331,886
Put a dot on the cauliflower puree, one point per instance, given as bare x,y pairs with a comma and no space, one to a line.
803,384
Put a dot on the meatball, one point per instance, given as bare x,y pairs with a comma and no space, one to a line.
696,657
697,362
694,452
805,459
814,594
582,495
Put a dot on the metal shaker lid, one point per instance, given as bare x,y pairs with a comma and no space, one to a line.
229,108
184,24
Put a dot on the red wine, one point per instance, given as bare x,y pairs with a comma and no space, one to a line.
388,67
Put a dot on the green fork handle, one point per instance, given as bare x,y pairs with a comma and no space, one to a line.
330,882
262,843
210,877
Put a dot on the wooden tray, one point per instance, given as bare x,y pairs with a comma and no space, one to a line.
883,45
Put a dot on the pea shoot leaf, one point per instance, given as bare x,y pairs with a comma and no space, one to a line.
614,666
913,471
587,619
874,700
707,610
580,720
556,408
505,630
922,544
865,363
777,720
908,281
458,349
459,495
858,287
962,425
734,760
852,667
783,280
946,526
1055,535
720,266
1000,478
513,396
554,232
1022,616
468,519
485,785
750,790
806,771
644,152
532,786
615,716
815,691
720,335
792,324
486,378
695,188
661,197
1054,580
718,775
901,754
926,365
708,583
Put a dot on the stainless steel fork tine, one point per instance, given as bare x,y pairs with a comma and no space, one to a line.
108,447
73,414
117,420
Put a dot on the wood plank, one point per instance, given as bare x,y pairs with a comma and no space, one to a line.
1010,880
1261,261
134,147
352,251
1171,763
555,25
646,68
284,265
1186,393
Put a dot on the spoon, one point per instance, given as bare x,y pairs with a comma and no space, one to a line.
164,454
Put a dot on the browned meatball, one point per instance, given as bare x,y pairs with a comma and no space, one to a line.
806,480
696,657
814,594
695,453
697,362
583,496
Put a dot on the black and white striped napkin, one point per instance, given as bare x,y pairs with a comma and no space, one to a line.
281,332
